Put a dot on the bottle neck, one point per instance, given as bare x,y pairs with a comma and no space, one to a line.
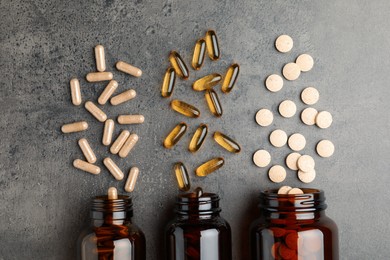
191,206
111,212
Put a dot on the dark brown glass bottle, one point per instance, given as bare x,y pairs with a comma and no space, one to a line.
112,234
294,227
198,232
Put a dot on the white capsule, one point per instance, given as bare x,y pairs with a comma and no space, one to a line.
129,69
107,92
108,131
75,91
130,119
74,127
123,97
113,168
132,179
85,166
100,58
128,145
119,142
95,111
87,150
99,76
112,193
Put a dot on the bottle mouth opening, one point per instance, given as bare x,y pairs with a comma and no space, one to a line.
118,208
191,203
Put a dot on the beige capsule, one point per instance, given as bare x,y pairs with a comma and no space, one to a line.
112,193
119,142
130,119
128,145
131,179
99,76
107,92
86,166
129,69
87,150
123,97
75,91
108,131
113,168
100,58
95,111
74,127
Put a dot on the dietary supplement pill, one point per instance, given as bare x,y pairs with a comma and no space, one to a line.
277,174
129,69
226,142
108,132
207,82
179,65
175,135
278,138
306,163
107,92
274,83
209,167
99,76
184,108
95,111
130,119
119,142
213,102
87,150
168,83
284,189
305,62
112,193
292,161
198,138
308,116
182,177
128,145
297,142
264,117
307,177
212,45
261,158
100,58
295,191
287,108
131,179
75,91
324,119
74,127
284,43
113,168
86,166
291,71
310,96
199,52
123,97
325,148
198,192
230,78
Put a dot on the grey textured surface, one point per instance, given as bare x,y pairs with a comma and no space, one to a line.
44,200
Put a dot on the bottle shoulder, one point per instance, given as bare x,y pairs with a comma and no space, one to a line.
218,223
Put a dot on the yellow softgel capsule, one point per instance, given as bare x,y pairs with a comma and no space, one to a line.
199,52
184,108
230,78
213,103
131,179
198,138
174,136
226,142
182,178
212,45
179,65
209,167
168,83
207,82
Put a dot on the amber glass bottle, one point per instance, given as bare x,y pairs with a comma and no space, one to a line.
294,227
112,234
198,232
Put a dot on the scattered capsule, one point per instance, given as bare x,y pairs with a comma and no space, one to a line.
119,142
169,83
99,76
86,166
74,127
75,91
108,131
113,168
174,136
198,192
212,45
129,69
131,179
199,52
230,78
87,150
227,143
209,167
178,65
207,82
198,138
131,119
181,173
123,97
112,193
128,145
95,111
213,102
184,108
107,92
100,58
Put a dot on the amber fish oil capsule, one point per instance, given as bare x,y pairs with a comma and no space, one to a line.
209,167
199,52
123,97
182,178
107,92
108,131
86,166
99,76
95,111
131,119
227,143
129,69
179,65
87,150
198,138
128,145
113,168
131,179
168,83
212,45
175,135
119,142
100,58
75,91
213,103
207,82
230,78
184,108
74,127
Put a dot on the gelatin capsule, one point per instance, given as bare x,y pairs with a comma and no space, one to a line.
99,76
123,97
184,108
107,92
128,145
227,143
198,192
213,102
199,52
131,179
95,111
87,150
129,69
86,166
74,127
112,193
100,58
174,136
181,173
212,45
131,119
178,65
108,131
75,91
113,168
169,83
209,167
230,78
198,138
119,142
207,82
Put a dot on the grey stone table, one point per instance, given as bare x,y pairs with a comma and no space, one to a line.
44,200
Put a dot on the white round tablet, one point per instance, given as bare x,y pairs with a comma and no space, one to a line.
296,142
307,177
264,117
261,158
277,173
274,83
305,62
324,119
291,71
292,161
310,96
284,189
287,108
325,148
306,163
284,43
308,116
278,138
295,191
